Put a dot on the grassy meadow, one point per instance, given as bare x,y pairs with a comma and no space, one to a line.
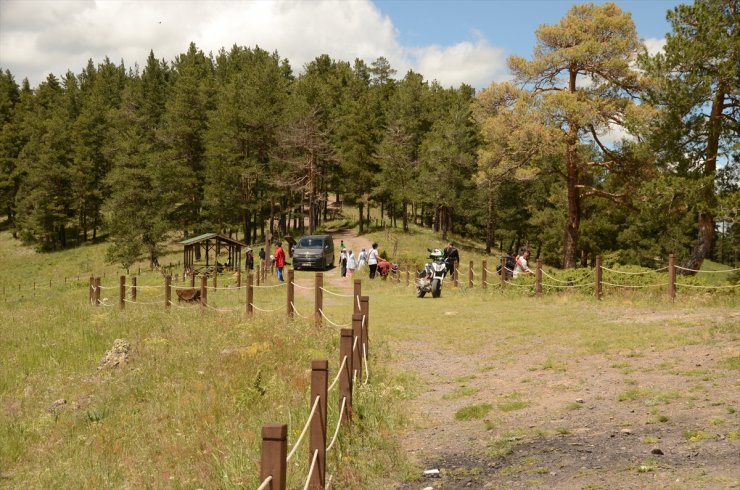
186,410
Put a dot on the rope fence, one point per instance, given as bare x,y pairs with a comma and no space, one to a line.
592,279
275,455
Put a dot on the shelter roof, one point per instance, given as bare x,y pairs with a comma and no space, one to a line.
211,236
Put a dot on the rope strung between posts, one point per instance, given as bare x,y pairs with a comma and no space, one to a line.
519,285
707,287
310,470
563,281
335,324
138,286
339,374
305,429
328,482
634,273
337,294
295,310
588,284
273,286
142,302
223,310
339,422
263,310
694,270
633,287
265,483
302,287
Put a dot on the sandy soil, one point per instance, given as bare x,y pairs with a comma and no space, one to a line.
575,433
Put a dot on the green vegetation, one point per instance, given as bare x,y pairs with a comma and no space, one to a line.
473,412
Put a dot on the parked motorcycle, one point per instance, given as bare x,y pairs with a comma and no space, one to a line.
430,279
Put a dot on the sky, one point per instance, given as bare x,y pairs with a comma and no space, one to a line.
453,42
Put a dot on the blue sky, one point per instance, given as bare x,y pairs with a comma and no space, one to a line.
465,41
505,23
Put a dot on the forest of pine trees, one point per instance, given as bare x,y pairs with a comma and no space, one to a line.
239,143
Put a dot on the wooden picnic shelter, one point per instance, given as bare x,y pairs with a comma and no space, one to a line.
197,246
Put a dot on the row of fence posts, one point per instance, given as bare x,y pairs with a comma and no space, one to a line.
538,276
94,293
274,463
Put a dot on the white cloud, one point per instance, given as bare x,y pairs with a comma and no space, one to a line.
38,37
654,45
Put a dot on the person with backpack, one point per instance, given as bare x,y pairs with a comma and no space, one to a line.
522,265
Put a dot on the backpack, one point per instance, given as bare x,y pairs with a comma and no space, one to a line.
511,263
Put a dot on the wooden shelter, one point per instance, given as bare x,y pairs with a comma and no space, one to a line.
198,246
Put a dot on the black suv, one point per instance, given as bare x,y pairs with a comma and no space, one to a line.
314,251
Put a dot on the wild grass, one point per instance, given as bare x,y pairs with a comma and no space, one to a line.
473,412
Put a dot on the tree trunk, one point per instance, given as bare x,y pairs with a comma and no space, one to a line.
360,208
703,244
490,225
247,223
573,222
405,219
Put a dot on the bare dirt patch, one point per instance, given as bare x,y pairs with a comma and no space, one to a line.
652,418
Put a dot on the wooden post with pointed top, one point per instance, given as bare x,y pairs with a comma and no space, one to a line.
503,272
538,278
598,272
356,296
274,454
167,291
250,294
203,291
291,293
470,275
357,352
319,297
484,274
365,311
345,378
319,386
122,292
672,277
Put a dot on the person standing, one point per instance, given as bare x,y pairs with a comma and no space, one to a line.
343,263
522,265
372,260
279,261
361,260
351,264
452,257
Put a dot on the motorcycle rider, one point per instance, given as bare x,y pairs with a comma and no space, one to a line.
452,257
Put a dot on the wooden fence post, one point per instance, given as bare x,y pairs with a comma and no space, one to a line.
215,280
250,294
484,274
356,296
538,278
408,278
121,292
203,291
345,378
357,352
672,277
260,272
133,288
470,275
503,272
291,292
238,279
599,273
365,311
319,297
97,291
319,384
274,454
90,290
167,291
